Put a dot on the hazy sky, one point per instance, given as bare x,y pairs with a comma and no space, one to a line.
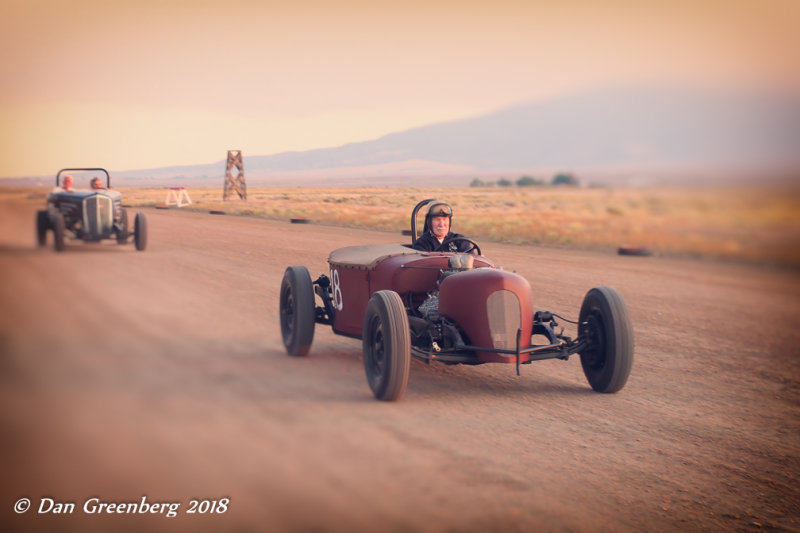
142,83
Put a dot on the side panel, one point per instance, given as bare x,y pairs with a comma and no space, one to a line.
350,296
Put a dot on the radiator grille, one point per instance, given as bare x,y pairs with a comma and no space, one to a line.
98,215
505,318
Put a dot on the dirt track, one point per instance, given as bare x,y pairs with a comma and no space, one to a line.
162,374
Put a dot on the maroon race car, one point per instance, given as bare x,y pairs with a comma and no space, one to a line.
455,308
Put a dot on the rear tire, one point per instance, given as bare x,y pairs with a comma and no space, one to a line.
59,228
42,225
297,311
140,232
604,322
387,346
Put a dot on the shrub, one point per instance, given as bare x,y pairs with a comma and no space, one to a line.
565,179
527,181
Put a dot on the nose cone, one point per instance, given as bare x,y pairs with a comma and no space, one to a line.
489,305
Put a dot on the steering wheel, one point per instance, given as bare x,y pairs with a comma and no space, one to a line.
473,249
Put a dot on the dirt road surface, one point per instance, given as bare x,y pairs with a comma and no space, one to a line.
161,376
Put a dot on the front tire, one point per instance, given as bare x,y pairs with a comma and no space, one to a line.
140,232
42,225
386,346
605,325
297,311
59,228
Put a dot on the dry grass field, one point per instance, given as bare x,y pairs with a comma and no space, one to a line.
759,225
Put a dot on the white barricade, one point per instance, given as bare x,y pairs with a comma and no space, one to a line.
178,196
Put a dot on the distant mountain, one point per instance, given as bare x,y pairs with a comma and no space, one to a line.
611,134
624,128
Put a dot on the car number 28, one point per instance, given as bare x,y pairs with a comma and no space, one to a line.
337,290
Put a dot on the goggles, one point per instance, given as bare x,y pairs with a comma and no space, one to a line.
440,210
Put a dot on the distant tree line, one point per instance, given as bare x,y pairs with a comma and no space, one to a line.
562,178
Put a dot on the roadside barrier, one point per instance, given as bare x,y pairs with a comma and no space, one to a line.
176,195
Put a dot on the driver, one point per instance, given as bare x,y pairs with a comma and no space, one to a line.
96,183
437,232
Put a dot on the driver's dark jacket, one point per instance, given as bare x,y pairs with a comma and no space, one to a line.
428,243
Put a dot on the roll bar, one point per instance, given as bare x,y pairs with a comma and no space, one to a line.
104,171
414,219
